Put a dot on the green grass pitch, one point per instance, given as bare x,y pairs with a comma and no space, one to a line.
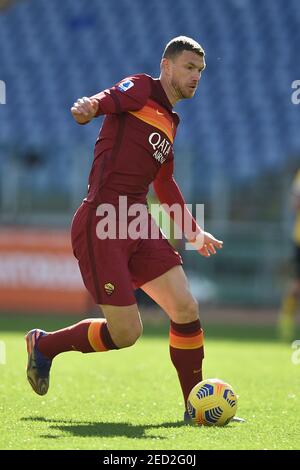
130,399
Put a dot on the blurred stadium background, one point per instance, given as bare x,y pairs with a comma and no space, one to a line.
237,147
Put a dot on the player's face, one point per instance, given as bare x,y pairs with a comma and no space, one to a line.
185,71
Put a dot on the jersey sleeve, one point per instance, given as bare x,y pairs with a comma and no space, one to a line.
130,94
168,193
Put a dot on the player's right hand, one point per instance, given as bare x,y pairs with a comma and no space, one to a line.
84,109
205,243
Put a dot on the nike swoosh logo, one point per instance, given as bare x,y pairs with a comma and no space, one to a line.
160,114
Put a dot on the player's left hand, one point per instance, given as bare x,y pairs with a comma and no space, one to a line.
206,244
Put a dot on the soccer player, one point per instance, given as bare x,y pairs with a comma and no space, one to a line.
134,149
290,303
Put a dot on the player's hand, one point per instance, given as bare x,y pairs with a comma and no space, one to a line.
206,244
84,109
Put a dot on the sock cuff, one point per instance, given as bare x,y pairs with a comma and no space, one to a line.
94,335
186,328
106,338
188,336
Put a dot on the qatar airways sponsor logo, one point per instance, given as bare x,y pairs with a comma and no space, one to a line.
161,147
133,222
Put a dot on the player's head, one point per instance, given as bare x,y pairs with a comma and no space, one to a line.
182,62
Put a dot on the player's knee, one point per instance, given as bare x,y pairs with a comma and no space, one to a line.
128,337
192,309
187,310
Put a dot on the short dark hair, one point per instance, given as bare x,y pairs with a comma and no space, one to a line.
180,44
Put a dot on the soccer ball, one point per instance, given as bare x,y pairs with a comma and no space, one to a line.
212,402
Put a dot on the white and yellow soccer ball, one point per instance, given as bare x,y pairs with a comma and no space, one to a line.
212,402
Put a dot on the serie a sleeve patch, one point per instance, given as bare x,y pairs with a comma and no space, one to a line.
125,85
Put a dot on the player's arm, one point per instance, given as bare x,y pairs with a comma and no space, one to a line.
169,193
130,94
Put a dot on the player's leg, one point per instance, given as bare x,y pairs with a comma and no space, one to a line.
287,314
172,293
290,303
124,324
120,328
104,269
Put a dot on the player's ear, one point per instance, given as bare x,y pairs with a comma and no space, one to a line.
165,66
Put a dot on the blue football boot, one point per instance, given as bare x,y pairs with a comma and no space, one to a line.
38,366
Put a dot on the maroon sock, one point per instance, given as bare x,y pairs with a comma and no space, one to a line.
187,353
90,335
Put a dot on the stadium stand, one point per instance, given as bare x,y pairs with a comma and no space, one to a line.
53,52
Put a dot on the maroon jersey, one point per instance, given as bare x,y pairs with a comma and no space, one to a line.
135,147
135,141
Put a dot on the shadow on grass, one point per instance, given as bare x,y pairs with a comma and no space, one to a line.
22,324
98,429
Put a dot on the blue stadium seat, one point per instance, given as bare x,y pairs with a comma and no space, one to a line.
53,52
